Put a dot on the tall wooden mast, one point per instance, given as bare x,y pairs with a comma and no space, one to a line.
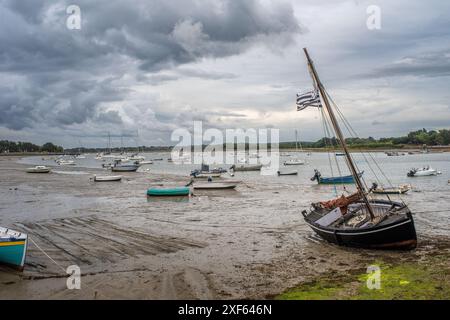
338,131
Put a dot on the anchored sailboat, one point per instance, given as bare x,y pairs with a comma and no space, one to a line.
355,220
295,161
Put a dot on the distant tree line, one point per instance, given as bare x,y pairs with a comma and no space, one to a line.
419,137
118,150
11,146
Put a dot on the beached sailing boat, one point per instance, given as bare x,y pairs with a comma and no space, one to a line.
355,220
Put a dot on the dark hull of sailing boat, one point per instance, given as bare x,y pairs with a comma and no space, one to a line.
395,231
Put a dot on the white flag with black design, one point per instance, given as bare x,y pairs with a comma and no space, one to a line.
308,99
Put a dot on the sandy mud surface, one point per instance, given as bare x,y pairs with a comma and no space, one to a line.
248,243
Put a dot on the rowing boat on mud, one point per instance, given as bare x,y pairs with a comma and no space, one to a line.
334,180
402,189
212,185
287,173
107,178
39,169
13,248
168,192
243,167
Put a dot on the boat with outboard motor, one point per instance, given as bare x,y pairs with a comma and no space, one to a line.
402,189
422,172
334,180
204,172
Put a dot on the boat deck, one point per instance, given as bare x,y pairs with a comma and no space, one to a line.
357,216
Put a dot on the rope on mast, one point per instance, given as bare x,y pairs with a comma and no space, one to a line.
354,134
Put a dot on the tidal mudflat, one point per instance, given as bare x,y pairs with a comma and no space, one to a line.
247,243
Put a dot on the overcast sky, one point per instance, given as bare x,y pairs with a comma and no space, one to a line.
154,66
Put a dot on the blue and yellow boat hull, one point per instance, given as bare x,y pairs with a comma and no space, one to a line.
13,250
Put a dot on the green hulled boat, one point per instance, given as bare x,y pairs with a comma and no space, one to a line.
167,192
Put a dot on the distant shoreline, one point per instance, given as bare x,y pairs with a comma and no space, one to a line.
316,150
21,154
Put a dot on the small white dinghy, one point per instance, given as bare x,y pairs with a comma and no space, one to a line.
39,169
66,162
143,162
206,175
212,185
294,162
107,178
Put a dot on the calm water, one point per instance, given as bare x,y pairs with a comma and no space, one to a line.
429,198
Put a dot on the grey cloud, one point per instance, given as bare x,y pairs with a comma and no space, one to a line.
156,34
181,73
109,117
203,74
432,64
65,70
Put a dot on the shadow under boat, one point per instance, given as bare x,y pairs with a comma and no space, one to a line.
178,199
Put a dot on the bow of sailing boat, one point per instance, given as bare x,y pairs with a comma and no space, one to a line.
357,220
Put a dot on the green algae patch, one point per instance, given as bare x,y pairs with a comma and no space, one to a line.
407,281
316,291
327,287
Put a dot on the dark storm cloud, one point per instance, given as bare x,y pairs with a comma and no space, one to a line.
62,72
